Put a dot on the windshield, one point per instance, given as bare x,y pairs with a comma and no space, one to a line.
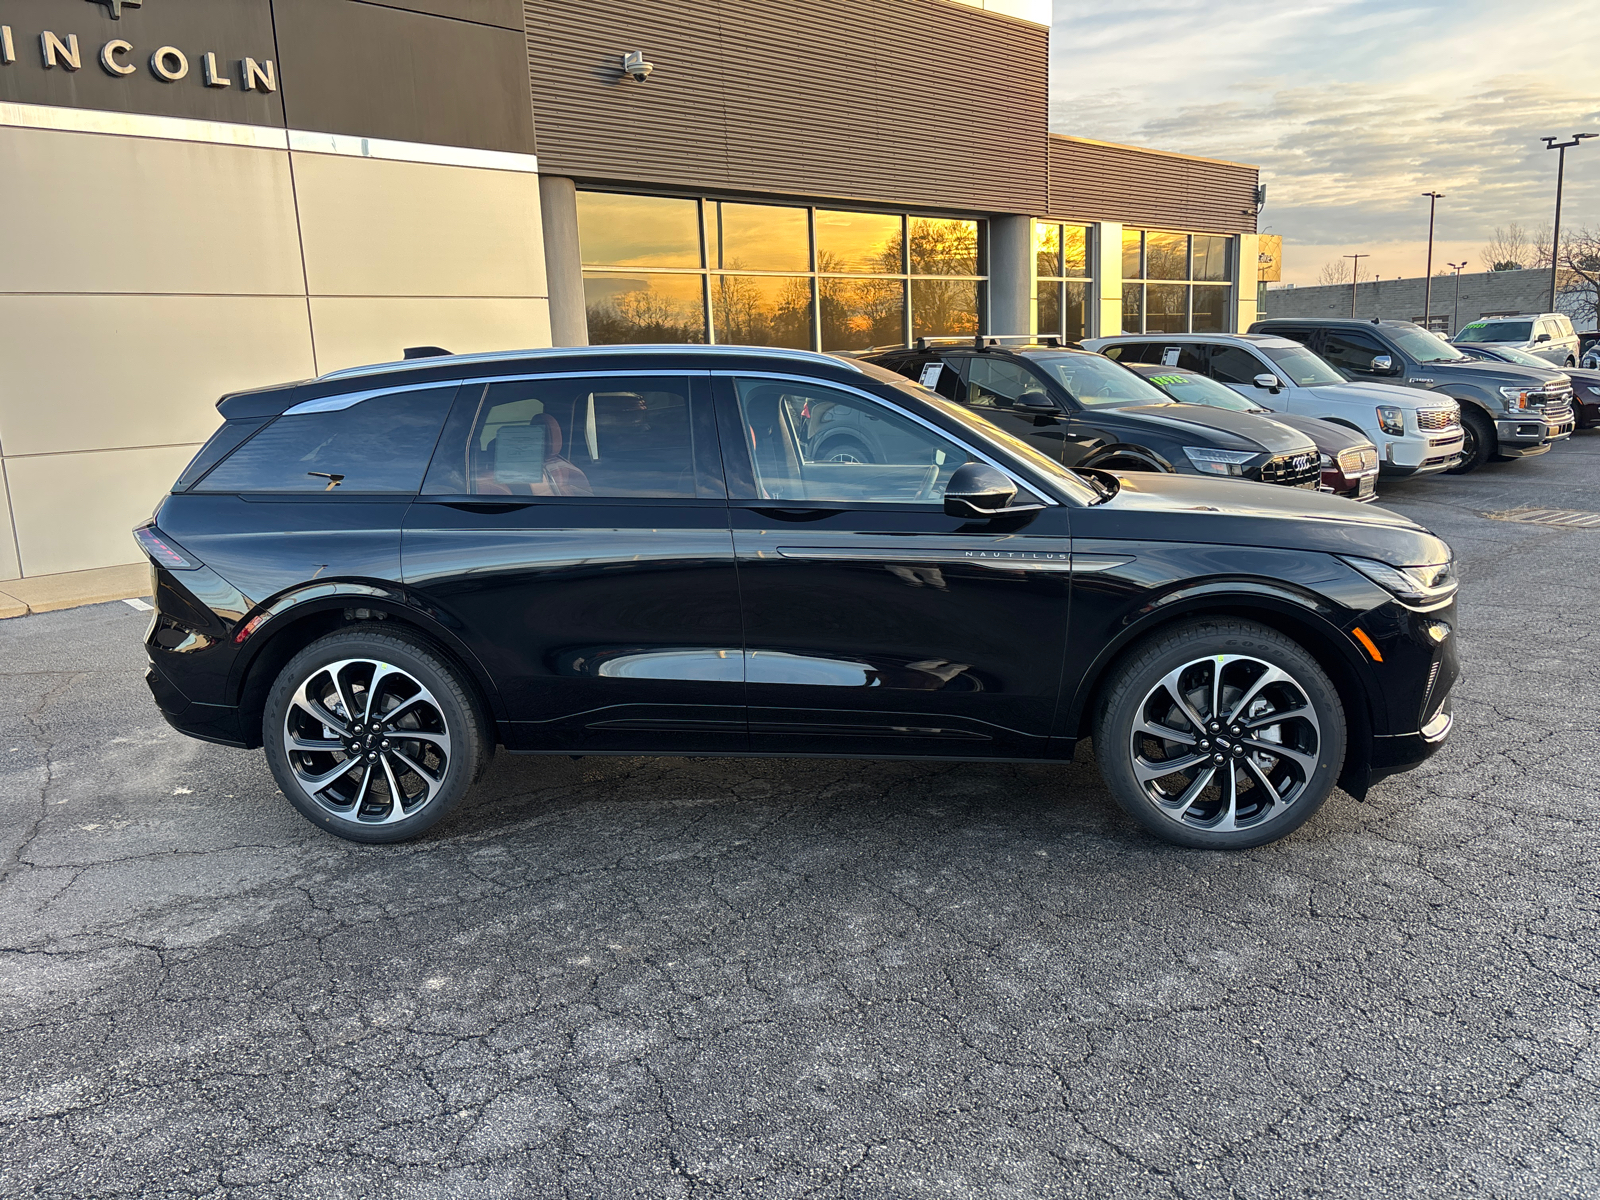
1094,380
1301,367
1513,355
1496,331
1199,389
1422,346
983,431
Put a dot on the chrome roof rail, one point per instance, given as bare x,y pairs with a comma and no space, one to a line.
497,356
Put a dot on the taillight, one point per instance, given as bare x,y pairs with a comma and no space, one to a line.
163,551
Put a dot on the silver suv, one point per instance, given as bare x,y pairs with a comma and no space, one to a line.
1416,433
1548,335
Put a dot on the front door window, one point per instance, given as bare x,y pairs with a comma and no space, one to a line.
1351,351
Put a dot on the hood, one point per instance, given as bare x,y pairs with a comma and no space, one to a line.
1329,437
1240,430
1491,373
1241,513
1366,392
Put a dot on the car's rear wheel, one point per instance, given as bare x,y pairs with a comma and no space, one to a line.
373,737
1478,442
1220,734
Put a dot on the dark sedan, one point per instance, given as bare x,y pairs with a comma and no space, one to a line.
1349,460
1585,380
1084,410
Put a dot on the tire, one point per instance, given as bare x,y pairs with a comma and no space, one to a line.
1478,441
431,770
848,450
1297,758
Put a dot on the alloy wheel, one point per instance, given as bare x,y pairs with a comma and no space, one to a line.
366,741
1225,742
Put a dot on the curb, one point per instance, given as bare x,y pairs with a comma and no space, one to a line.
73,589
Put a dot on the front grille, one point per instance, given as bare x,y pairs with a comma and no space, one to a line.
1293,470
1559,407
1358,459
1431,420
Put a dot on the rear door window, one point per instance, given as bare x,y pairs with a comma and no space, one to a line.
604,436
378,445
1350,350
1230,364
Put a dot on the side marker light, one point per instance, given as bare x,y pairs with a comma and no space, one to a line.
1368,644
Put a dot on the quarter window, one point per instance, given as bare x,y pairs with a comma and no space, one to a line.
620,437
813,443
380,445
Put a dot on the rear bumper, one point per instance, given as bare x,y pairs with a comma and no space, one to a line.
217,723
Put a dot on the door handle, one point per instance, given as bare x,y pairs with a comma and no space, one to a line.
483,504
797,514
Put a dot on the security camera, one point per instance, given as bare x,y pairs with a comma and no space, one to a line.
635,67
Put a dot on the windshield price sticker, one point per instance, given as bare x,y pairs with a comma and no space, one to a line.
930,374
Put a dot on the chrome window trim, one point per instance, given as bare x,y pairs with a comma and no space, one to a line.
342,400
445,360
1019,480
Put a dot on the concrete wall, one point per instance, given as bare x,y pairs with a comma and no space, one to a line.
1486,293
153,264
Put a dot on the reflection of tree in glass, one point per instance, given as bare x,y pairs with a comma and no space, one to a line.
1165,256
644,315
943,247
862,312
762,311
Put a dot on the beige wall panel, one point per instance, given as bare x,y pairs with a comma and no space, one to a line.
355,330
74,511
93,372
9,567
378,228
90,212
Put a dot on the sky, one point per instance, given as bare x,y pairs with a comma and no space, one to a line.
1352,109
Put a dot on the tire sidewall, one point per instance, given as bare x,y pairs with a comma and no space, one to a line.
465,726
1141,671
1480,430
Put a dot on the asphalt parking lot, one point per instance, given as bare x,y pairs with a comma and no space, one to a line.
614,977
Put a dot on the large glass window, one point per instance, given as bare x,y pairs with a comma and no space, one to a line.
675,269
1061,269
1200,303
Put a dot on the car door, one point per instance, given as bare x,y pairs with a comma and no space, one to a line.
1237,367
1006,392
873,622
573,527
1351,352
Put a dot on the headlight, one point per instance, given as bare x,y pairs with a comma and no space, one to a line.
1420,585
1516,397
1218,462
1391,419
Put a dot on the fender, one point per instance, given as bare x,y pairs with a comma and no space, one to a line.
1127,450
253,634
1224,596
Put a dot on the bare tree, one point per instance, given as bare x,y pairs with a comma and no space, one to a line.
1578,277
1337,270
1510,249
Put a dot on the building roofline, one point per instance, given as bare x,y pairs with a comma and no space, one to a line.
1221,162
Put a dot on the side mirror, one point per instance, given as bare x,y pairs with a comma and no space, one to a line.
1383,364
1036,402
978,492
1269,381
1543,337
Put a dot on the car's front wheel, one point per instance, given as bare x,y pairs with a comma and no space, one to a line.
1220,734
373,737
1478,442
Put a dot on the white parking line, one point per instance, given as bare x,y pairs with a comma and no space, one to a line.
140,605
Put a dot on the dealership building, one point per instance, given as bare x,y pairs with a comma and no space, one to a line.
207,195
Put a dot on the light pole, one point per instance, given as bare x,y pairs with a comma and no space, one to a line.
1455,319
1551,143
1355,274
1427,288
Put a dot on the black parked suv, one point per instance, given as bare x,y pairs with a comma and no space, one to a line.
1084,410
380,575
1506,410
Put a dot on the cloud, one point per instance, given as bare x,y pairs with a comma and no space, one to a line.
1351,108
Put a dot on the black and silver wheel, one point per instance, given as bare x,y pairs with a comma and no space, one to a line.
1478,442
848,450
1221,735
373,737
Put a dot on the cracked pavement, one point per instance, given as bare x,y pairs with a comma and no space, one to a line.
698,978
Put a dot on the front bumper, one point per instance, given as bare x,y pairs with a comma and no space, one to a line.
1532,433
1420,454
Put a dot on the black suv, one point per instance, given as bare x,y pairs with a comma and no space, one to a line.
1084,410
1506,410
381,574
